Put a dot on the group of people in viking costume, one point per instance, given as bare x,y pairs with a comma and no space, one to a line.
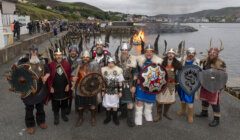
122,89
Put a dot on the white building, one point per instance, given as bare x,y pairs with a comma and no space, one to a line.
204,20
238,19
49,7
23,1
91,18
8,6
7,17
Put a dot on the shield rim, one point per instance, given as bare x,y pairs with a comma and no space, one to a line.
141,80
34,81
80,83
179,79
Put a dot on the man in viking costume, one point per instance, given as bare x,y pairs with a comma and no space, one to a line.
100,54
166,98
37,96
73,59
83,101
59,84
142,97
208,97
113,76
128,63
187,100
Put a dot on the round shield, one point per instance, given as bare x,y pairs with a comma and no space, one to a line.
91,84
188,78
213,79
23,80
153,79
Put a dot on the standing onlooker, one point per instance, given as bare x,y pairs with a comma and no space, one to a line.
17,27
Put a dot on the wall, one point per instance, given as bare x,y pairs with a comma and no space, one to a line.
1,32
11,52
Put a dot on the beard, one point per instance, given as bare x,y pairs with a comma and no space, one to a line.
34,60
99,51
170,58
73,56
124,58
212,60
59,59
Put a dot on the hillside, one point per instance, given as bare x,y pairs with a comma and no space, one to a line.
224,12
72,11
37,13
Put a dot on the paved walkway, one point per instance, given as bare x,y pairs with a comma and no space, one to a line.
12,126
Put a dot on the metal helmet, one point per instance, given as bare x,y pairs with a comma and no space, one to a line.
110,59
191,50
149,47
85,54
124,46
33,48
99,42
73,47
58,51
171,51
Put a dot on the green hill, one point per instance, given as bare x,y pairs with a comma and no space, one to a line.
71,11
37,13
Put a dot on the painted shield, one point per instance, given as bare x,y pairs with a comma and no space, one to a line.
188,79
213,79
153,79
91,84
23,80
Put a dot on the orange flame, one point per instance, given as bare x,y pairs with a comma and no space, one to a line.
138,36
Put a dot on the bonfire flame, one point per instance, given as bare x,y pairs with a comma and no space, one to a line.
138,37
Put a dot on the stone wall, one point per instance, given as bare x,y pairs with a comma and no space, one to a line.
15,50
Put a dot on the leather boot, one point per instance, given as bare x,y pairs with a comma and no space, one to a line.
56,118
108,117
93,117
130,120
159,113
215,122
203,114
80,117
43,126
190,115
31,130
182,111
115,118
165,112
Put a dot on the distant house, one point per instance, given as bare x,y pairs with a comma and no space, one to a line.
129,18
238,20
49,7
8,6
204,20
23,1
162,19
91,18
223,20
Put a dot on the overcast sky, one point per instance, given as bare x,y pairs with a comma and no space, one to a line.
153,7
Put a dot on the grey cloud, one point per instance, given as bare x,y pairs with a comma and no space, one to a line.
153,7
